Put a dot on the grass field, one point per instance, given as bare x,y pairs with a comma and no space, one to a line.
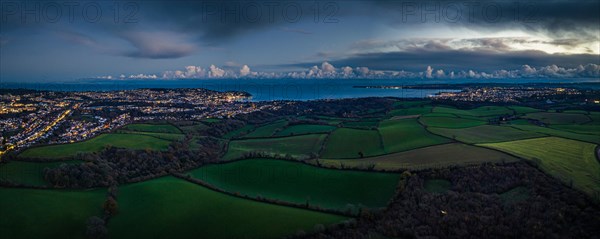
559,118
267,130
485,134
477,112
559,133
173,208
297,146
406,134
450,122
411,111
241,131
156,128
165,136
35,213
196,128
347,143
579,128
367,124
300,183
305,129
131,141
569,160
524,109
430,157
28,173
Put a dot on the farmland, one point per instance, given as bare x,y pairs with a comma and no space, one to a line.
173,208
28,173
351,143
406,134
571,161
305,129
559,118
300,183
267,130
155,128
450,121
33,213
296,146
429,157
484,134
130,141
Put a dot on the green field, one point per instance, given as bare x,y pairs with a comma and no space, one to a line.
477,112
560,133
37,213
28,173
347,143
406,134
367,124
267,130
569,160
156,128
165,136
450,122
173,208
559,118
430,157
579,128
485,134
411,111
301,183
296,146
235,133
130,141
305,129
523,109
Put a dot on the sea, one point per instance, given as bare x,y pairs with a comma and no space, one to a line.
281,89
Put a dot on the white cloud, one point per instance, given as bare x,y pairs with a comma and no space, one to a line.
327,68
245,70
216,72
428,72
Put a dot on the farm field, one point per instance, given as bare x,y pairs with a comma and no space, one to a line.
305,129
36,213
450,122
235,133
165,136
477,112
366,124
453,154
485,134
349,143
130,141
523,109
169,207
559,118
560,133
301,146
267,130
579,128
571,161
28,173
300,183
406,134
411,111
155,128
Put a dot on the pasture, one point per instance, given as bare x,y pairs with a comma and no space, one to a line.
28,173
296,146
406,134
37,213
560,133
267,130
450,122
351,143
155,128
558,118
571,161
169,207
96,144
454,154
305,129
300,183
485,134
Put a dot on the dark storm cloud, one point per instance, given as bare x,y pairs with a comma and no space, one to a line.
458,60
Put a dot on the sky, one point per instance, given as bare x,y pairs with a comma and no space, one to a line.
48,41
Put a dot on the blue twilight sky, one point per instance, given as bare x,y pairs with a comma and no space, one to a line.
70,40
